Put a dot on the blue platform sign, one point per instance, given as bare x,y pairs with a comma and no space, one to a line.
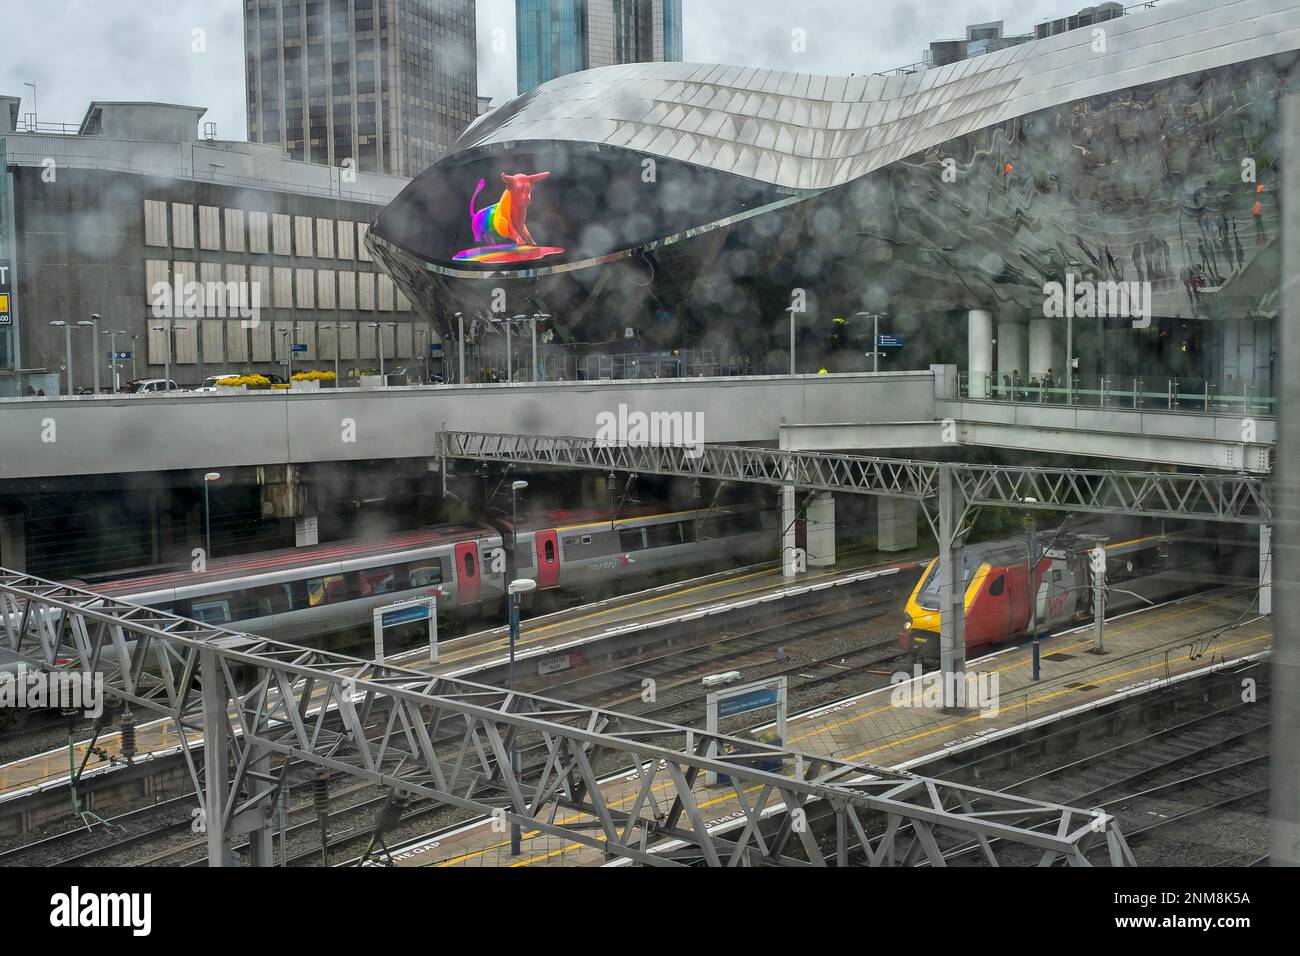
406,615
406,612
435,347
298,348
765,697
118,356
890,342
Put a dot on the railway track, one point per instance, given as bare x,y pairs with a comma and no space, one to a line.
1188,773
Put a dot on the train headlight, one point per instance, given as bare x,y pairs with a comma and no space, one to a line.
907,622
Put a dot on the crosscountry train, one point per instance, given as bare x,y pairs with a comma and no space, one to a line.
306,592
997,584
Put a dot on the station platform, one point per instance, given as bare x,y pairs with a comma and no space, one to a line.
548,636
897,727
662,606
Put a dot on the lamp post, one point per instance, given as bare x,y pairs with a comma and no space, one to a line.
333,327
134,349
460,346
207,516
67,341
167,353
112,356
93,325
875,337
517,588
509,352
792,312
421,346
542,316
287,335
379,338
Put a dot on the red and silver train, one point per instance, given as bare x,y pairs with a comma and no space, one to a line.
303,593
997,598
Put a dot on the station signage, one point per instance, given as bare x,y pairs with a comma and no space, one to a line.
298,348
890,342
404,613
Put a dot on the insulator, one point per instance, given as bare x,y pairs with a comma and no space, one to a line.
320,795
127,724
390,814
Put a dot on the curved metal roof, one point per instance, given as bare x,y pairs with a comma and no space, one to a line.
808,131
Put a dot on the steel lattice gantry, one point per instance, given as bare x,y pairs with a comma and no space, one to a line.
948,491
267,705
1225,497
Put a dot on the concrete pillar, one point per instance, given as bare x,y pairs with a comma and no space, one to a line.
1265,569
1013,352
979,363
821,531
13,541
895,524
305,532
790,558
1042,345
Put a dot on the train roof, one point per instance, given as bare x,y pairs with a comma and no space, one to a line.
155,577
282,559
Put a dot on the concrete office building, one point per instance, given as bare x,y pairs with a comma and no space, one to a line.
557,37
92,221
386,84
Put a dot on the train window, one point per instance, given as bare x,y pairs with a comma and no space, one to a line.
213,610
329,589
630,539
549,549
378,581
271,599
663,535
469,564
424,575
687,531
999,585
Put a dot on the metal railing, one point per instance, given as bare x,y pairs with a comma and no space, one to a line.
489,365
1124,392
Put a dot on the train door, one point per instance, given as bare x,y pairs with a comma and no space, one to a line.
1058,595
547,545
467,573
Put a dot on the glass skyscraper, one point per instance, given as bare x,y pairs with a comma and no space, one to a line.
389,84
556,37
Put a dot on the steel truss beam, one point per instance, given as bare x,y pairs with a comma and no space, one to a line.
1210,497
271,703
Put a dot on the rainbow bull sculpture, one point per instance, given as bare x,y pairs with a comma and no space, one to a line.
501,229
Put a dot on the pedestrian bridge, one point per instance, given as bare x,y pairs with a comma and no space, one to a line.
885,412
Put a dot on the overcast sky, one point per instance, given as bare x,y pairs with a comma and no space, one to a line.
79,50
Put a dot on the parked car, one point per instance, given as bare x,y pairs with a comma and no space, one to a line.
210,383
143,385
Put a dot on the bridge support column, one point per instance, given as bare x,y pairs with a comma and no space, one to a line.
1013,354
791,562
13,541
895,524
821,531
952,590
215,768
979,365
